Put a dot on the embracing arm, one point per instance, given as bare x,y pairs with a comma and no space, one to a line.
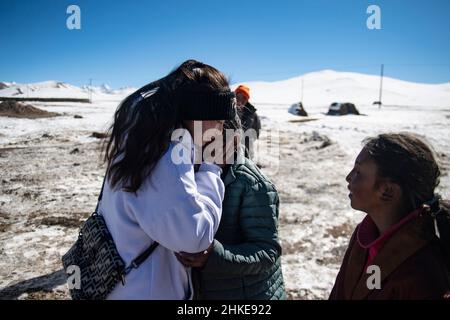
261,248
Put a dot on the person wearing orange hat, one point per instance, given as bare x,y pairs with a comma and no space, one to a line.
242,95
247,114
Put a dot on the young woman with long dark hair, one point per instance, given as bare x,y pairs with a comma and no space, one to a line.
150,195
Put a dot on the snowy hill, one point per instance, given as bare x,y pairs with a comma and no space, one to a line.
324,87
320,89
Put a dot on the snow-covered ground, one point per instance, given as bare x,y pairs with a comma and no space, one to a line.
50,171
316,220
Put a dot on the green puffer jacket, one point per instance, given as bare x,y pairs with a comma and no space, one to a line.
245,262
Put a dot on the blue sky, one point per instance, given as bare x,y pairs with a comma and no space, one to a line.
134,42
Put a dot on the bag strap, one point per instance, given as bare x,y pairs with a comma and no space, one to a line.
141,258
101,191
144,255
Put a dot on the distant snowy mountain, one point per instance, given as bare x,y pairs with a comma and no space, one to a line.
54,89
4,85
320,89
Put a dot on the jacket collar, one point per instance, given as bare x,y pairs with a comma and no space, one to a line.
230,176
250,107
368,235
404,243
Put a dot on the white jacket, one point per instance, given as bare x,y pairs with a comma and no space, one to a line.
176,207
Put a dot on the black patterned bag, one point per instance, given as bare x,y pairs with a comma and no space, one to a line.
95,257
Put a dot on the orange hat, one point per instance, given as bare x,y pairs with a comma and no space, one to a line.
244,90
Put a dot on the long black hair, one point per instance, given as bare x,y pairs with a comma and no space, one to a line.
144,121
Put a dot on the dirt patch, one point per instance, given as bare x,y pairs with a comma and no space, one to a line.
69,219
330,260
4,227
60,221
5,222
302,120
444,163
317,137
45,295
344,230
16,109
300,294
3,215
293,248
74,151
99,135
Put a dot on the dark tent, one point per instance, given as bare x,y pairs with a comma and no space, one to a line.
298,110
340,109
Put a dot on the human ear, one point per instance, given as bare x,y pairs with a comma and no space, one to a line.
389,191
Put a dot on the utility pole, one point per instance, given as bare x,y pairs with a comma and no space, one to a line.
381,86
301,95
90,90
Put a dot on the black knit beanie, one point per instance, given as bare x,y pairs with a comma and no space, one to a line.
201,102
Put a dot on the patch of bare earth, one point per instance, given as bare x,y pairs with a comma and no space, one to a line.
17,109
49,185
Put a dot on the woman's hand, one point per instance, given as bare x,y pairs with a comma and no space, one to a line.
224,155
194,260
